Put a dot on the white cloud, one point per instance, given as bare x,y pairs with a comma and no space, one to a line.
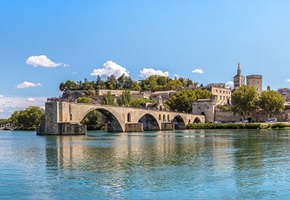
230,84
288,80
1,96
110,68
11,104
42,61
146,72
27,84
30,99
198,71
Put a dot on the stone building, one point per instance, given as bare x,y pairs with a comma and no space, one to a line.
223,94
208,108
239,79
256,82
285,93
204,107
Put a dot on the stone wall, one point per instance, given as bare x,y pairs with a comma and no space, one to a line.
226,116
72,129
262,117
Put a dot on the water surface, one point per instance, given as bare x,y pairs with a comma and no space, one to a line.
190,164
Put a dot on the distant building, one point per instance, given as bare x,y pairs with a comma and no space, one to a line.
239,79
208,108
285,93
256,82
221,93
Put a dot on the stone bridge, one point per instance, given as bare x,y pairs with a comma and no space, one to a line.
65,118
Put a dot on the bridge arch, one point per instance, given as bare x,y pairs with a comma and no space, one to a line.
197,120
179,122
69,115
113,124
150,123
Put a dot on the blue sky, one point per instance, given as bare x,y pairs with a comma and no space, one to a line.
46,42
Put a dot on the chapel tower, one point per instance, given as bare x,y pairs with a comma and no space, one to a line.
239,79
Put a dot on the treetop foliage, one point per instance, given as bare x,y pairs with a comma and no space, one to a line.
152,83
28,119
181,101
271,102
244,100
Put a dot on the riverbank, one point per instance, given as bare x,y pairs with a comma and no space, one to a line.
239,125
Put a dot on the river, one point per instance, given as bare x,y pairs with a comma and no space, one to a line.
189,164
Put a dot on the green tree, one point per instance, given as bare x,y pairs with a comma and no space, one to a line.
68,85
121,81
271,102
135,86
138,102
111,82
181,101
108,99
99,84
173,85
125,99
202,94
154,83
87,100
3,121
244,100
28,119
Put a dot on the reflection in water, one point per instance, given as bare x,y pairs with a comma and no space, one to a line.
190,164
114,152
143,161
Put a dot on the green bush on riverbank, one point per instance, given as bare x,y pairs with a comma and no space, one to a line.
225,126
278,125
238,126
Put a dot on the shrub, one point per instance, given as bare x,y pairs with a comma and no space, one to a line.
279,125
224,126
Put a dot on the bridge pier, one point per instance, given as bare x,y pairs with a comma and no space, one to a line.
134,127
167,126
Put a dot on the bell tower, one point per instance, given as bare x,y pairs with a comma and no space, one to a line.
239,79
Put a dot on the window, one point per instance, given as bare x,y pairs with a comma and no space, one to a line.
129,117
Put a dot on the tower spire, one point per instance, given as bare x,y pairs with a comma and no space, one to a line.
239,69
